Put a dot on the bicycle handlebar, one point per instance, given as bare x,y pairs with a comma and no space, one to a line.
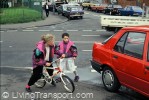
55,60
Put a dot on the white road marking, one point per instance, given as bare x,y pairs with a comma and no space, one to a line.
1,41
30,68
12,30
44,30
100,30
53,27
1,31
17,67
86,13
28,30
95,15
58,30
10,46
31,27
87,30
90,35
93,71
87,50
72,30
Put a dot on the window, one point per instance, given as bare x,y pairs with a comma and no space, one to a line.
128,8
134,45
110,6
119,47
105,41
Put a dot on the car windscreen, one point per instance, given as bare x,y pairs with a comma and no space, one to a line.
136,8
97,4
65,7
117,6
76,9
104,5
105,41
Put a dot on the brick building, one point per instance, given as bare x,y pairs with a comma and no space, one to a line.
128,2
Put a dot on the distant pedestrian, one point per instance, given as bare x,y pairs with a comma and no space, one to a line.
46,7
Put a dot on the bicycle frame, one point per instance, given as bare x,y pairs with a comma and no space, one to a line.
63,78
59,71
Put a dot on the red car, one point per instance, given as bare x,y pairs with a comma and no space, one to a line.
124,59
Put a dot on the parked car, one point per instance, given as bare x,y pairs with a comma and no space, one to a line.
102,7
74,11
124,59
99,7
55,4
131,11
112,9
62,9
94,7
86,4
74,3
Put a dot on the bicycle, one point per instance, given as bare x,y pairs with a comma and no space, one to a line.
48,79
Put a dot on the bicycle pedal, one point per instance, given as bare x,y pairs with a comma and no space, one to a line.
56,80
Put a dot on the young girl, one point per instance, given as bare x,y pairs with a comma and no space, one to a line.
42,56
67,49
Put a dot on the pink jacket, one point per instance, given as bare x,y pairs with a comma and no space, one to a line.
71,50
41,47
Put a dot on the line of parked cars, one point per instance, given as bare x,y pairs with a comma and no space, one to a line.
113,9
71,10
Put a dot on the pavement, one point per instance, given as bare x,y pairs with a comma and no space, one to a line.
52,19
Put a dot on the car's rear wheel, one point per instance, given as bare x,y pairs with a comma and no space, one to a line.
110,12
110,80
69,18
63,14
81,17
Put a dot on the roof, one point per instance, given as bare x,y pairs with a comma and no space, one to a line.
138,28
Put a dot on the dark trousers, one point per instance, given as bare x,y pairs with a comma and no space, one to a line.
47,12
37,73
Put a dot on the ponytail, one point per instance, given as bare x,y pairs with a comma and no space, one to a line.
47,37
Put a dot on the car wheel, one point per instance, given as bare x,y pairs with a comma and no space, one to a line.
110,80
63,14
81,17
69,18
104,11
119,14
110,13
96,10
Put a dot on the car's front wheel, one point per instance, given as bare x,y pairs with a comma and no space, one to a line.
110,80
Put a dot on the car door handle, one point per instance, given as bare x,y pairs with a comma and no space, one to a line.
147,67
115,56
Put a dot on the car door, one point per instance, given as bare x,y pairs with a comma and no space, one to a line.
127,58
146,65
128,11
59,9
108,8
123,11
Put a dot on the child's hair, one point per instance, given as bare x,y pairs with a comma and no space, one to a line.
65,34
47,37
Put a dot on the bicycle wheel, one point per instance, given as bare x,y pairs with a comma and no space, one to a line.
40,83
68,84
